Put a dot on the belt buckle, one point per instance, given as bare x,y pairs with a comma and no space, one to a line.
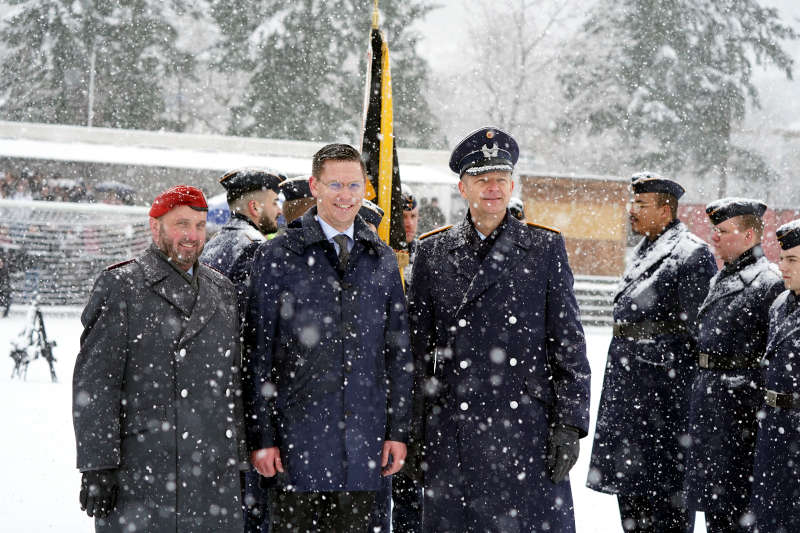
772,398
703,361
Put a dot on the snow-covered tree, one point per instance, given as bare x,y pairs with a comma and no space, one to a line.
90,62
673,78
307,61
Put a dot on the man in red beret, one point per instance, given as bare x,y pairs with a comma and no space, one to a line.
156,409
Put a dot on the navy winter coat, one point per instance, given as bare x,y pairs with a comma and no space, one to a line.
510,362
732,329
642,419
329,370
776,471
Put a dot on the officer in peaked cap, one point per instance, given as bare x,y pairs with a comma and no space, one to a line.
484,150
637,452
517,209
730,341
776,472
297,198
501,357
252,196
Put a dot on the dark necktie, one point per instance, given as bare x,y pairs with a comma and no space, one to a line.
344,254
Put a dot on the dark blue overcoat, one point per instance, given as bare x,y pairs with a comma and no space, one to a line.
328,363
510,361
732,329
642,419
776,470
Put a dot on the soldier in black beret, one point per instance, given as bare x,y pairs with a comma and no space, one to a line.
371,213
252,196
731,337
637,452
776,472
297,198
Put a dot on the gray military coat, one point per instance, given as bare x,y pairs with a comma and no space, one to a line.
156,396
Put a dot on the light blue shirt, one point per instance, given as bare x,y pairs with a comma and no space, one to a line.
331,232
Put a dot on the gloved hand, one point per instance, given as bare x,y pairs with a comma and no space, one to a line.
562,452
99,489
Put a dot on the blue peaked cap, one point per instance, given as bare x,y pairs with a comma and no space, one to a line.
488,149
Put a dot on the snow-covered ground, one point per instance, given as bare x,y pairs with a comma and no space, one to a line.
40,484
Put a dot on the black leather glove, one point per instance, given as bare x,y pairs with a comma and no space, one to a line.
562,452
99,489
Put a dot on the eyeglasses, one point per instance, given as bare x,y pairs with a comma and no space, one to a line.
354,186
636,206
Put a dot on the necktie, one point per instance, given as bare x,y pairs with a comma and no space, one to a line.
344,254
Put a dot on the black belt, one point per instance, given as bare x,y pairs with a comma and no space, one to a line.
784,401
648,329
716,362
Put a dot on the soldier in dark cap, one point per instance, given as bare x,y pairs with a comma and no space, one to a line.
731,337
775,500
517,209
297,198
252,196
501,358
371,213
642,421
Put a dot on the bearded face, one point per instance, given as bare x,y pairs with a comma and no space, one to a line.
180,234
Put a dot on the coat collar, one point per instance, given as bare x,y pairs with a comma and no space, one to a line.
789,321
499,262
643,261
310,232
166,281
198,306
734,280
241,223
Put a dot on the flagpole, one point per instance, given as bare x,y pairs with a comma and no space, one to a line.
375,16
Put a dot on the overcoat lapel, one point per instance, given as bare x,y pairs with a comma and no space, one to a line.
788,327
661,249
208,299
459,254
499,261
167,283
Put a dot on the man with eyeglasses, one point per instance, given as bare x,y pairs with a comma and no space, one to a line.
328,371
641,437
501,359
726,393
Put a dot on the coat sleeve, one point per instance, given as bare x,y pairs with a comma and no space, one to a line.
399,364
261,320
566,345
98,376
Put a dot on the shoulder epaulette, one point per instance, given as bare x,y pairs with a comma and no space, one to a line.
535,225
117,265
435,231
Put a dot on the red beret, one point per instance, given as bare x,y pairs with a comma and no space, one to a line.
178,195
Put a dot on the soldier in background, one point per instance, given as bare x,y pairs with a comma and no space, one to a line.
297,198
731,338
252,196
517,209
776,471
638,450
